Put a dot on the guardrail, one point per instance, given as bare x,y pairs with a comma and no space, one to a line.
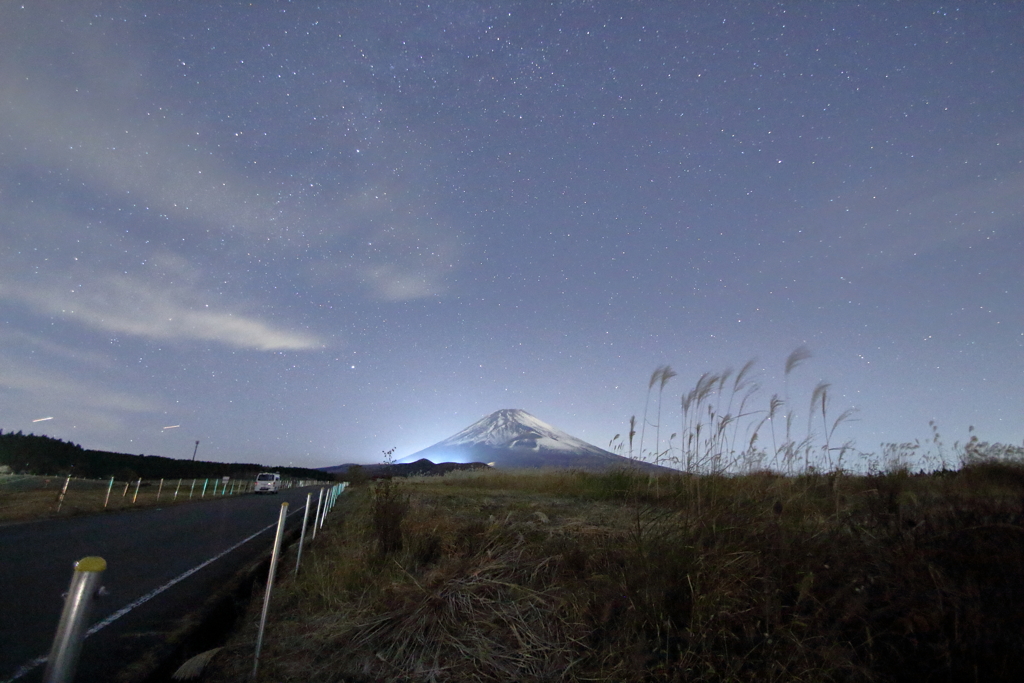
41,496
328,496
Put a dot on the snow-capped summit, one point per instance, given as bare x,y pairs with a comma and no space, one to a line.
513,438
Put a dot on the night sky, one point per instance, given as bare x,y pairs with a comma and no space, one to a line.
305,233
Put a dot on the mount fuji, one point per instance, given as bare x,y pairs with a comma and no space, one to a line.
513,438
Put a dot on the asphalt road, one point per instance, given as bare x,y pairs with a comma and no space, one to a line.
145,550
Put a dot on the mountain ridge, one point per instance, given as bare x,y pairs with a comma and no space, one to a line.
418,468
513,438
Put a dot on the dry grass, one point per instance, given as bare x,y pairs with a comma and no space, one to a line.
571,576
26,497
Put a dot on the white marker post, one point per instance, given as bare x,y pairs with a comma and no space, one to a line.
274,556
316,520
63,492
323,513
302,536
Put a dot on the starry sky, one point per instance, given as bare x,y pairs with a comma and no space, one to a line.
306,233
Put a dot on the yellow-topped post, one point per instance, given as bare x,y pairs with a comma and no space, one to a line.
92,563
67,643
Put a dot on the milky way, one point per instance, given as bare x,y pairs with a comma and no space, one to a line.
307,234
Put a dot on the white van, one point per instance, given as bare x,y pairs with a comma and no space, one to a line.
267,482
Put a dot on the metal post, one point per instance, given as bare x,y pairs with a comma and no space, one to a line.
205,482
63,492
108,493
176,488
160,489
191,490
302,536
126,485
323,513
274,556
137,485
316,520
67,643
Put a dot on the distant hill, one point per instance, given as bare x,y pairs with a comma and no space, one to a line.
512,438
421,467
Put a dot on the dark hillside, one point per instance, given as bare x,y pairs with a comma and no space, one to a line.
420,468
31,454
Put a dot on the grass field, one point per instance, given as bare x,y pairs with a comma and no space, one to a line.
26,497
569,576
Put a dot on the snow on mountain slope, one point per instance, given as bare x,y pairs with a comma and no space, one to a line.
516,429
513,438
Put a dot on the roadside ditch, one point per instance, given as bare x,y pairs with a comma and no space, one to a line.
211,625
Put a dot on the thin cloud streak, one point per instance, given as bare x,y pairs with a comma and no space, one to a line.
126,305
63,393
157,168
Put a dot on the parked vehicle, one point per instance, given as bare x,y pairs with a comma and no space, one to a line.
267,482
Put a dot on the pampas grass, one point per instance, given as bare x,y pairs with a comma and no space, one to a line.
575,576
721,425
757,561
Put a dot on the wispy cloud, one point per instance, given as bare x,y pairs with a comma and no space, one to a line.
121,304
21,341
391,283
890,221
55,387
89,407
159,167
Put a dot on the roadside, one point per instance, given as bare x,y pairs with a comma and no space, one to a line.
163,563
31,497
583,577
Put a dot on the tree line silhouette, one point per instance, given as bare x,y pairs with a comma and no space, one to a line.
44,455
